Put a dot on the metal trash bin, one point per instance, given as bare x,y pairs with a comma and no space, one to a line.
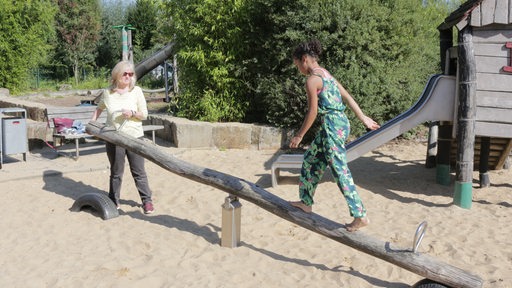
13,133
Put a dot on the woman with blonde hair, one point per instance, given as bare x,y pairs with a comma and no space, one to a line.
126,108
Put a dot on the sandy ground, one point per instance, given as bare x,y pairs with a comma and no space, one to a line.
43,244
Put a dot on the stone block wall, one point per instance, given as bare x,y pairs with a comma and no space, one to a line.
184,133
180,132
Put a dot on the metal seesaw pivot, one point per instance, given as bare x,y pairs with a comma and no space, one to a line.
418,236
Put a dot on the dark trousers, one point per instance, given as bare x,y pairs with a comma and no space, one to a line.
116,157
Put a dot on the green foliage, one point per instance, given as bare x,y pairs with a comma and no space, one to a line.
26,28
207,37
386,56
109,47
235,56
381,51
97,80
43,80
143,17
78,28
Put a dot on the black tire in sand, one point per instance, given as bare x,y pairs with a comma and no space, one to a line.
427,283
98,202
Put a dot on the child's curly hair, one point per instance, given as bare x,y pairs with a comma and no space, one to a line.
312,48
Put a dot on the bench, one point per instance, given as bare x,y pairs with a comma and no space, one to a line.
152,129
285,161
84,114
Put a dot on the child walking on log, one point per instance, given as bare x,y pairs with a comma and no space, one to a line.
326,97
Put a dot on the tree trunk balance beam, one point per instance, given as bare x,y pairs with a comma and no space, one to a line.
420,264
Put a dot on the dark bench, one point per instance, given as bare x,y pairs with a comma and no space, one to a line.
290,161
152,129
83,114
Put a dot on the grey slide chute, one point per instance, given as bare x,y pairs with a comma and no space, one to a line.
435,104
150,63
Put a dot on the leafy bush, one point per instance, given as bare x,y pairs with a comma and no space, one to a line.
26,28
235,56
382,53
207,37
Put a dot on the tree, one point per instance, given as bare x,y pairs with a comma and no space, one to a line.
78,28
143,17
207,37
382,51
109,47
235,56
26,28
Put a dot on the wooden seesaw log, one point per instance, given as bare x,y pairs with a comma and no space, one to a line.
420,264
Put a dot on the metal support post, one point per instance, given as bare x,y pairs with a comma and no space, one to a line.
231,222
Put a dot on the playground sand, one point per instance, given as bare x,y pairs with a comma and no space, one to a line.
43,244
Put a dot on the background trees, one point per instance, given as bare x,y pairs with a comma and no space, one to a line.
26,29
143,16
382,51
209,40
78,25
109,45
235,56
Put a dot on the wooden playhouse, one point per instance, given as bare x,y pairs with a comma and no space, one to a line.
476,47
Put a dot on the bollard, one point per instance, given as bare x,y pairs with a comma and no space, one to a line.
231,215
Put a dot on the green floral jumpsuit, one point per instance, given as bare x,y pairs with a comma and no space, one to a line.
328,148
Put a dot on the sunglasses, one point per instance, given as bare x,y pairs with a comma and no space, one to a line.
128,74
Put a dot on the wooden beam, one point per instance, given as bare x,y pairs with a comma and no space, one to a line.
466,116
421,264
504,155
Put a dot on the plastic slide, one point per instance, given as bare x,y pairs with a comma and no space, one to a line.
150,63
435,104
